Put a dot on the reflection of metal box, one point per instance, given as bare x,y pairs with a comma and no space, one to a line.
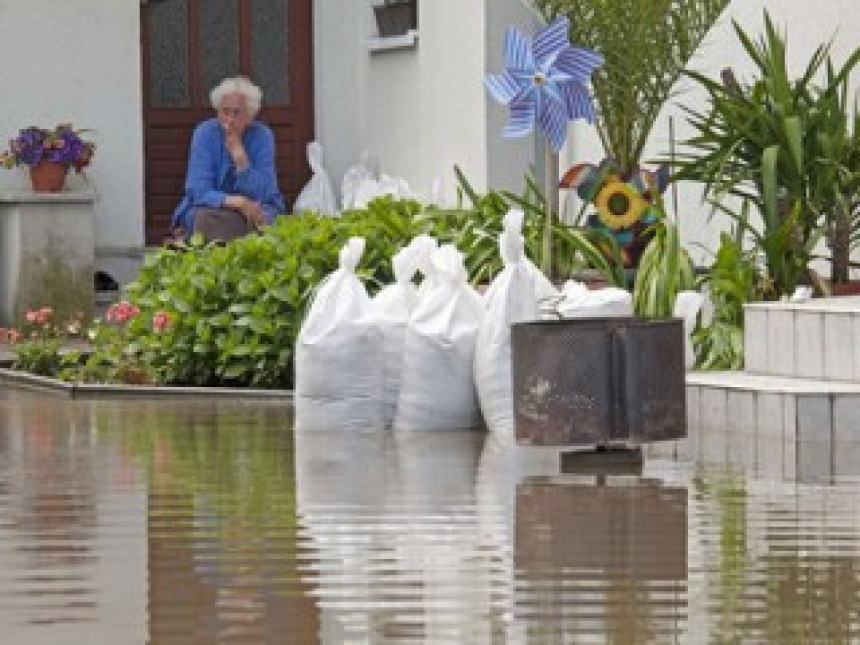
593,381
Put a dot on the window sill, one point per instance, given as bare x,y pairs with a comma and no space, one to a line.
409,40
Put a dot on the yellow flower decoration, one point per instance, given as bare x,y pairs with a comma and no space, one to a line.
619,205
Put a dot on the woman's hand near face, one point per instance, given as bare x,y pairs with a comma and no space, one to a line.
233,136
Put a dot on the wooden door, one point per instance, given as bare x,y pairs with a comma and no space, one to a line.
188,46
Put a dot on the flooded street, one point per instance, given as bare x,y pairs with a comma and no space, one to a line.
209,521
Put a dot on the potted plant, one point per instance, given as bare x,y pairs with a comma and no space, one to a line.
395,17
49,154
774,144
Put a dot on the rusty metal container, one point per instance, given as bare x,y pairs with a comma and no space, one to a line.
596,381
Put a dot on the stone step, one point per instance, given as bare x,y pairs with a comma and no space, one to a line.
799,429
816,339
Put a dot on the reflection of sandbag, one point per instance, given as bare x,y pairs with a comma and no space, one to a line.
317,195
687,306
385,327
437,390
335,388
579,301
511,298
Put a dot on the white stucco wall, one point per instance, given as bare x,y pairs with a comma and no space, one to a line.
79,62
419,110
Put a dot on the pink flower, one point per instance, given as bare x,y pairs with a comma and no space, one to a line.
161,321
39,317
122,312
13,335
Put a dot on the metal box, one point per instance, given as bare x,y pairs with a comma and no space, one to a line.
597,381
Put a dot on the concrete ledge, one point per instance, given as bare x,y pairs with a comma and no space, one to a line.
745,381
30,197
97,390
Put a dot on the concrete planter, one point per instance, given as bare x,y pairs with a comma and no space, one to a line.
46,253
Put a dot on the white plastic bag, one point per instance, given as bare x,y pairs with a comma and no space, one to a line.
334,387
579,301
511,298
437,390
317,195
352,179
687,306
385,327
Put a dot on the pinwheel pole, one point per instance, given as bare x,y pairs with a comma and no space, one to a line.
550,173
545,81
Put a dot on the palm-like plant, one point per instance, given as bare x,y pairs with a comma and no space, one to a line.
778,143
646,44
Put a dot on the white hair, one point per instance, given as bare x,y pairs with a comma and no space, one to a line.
238,85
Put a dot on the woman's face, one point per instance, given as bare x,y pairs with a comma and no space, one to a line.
233,113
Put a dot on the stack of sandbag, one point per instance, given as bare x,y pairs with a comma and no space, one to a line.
437,390
335,387
384,325
511,298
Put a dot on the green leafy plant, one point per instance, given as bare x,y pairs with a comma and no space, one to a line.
763,143
664,269
731,281
646,45
478,230
836,182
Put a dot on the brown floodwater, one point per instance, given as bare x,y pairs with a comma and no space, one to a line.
202,522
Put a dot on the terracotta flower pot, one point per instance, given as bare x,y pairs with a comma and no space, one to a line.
48,177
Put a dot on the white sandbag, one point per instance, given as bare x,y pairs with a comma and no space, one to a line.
334,387
578,301
425,247
317,195
437,390
385,326
511,298
353,177
687,306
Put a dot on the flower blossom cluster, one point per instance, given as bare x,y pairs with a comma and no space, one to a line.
62,145
122,311
40,317
161,321
9,335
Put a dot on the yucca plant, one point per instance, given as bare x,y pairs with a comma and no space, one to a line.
646,45
835,187
764,143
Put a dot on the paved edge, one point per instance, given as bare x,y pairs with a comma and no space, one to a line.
95,390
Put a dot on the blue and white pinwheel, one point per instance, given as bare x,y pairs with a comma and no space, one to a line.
545,80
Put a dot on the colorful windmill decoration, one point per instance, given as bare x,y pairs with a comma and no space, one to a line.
545,81
624,206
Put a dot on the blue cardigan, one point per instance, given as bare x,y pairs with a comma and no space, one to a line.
212,175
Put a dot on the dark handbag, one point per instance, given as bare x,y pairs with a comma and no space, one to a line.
220,224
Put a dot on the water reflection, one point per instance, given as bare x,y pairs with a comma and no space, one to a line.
208,522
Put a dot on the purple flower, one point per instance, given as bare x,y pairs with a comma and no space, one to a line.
62,145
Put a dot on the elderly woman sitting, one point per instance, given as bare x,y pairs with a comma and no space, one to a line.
231,186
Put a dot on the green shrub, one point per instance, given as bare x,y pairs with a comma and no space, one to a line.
235,310
733,280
